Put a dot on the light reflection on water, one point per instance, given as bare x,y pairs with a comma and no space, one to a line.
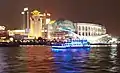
40,59
70,60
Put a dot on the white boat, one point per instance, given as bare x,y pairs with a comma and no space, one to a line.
71,43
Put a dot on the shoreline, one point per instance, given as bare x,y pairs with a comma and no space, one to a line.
16,44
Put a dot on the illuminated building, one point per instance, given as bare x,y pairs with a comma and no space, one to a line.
94,33
3,32
39,24
59,35
88,29
14,32
35,24
65,24
45,24
26,20
50,29
18,34
2,27
91,32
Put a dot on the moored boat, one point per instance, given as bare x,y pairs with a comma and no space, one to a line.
71,43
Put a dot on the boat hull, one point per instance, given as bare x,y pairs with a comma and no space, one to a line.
70,47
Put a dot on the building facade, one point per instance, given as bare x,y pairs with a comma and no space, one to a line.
35,25
26,20
89,29
60,28
91,32
39,24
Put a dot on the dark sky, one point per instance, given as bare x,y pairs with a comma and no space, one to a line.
106,12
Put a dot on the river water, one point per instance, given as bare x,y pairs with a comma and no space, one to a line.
41,59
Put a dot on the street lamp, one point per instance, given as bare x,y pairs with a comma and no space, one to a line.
26,9
22,13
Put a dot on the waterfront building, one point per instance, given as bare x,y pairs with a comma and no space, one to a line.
35,24
14,32
3,32
50,29
94,33
39,24
2,27
26,20
59,27
18,34
89,29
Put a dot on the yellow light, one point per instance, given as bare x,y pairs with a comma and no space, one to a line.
51,22
36,13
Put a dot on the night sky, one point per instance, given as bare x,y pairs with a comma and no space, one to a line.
105,12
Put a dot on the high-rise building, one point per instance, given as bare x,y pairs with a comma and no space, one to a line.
35,24
26,20
39,24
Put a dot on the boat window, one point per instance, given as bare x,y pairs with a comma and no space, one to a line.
73,40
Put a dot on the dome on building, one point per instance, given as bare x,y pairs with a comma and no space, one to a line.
64,24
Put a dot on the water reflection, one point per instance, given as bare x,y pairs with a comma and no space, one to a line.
10,61
41,59
70,60
104,59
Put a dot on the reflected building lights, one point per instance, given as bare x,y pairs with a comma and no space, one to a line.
113,53
70,58
3,64
39,60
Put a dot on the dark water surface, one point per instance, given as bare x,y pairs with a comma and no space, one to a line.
40,59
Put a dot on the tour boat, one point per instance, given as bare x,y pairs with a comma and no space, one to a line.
71,43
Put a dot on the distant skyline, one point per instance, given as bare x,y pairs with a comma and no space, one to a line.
105,12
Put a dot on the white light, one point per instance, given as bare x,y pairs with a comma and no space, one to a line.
25,9
47,21
114,39
19,30
11,39
114,45
48,14
22,12
2,27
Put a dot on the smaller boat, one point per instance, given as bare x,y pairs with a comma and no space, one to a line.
71,43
